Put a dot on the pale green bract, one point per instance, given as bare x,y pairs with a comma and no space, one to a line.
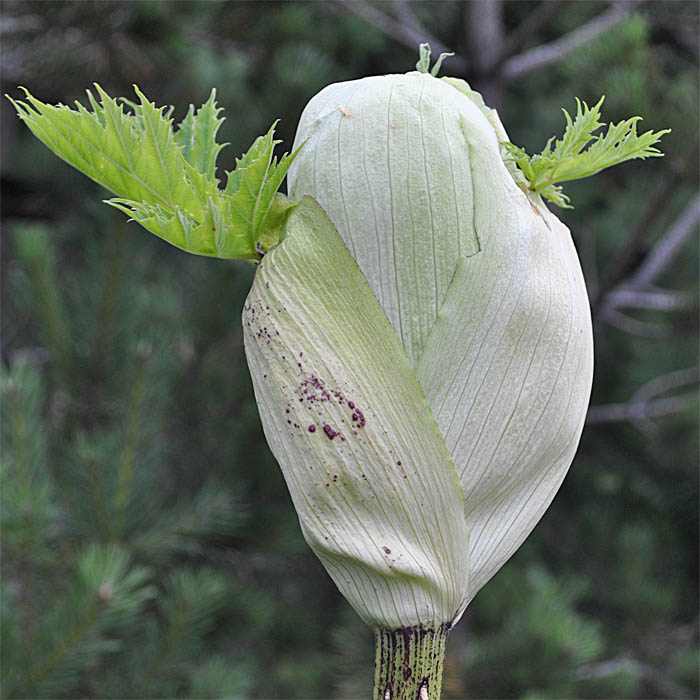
377,495
164,178
480,282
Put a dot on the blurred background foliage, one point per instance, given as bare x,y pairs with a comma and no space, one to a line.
150,548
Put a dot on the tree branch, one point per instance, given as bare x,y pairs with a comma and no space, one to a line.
639,412
656,299
633,326
532,23
615,271
668,247
639,285
644,404
666,382
404,28
653,676
554,51
484,28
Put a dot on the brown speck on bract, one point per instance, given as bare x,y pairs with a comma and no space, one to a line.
386,550
344,111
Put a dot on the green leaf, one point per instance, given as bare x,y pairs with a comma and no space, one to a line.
164,178
197,136
580,153
254,183
371,479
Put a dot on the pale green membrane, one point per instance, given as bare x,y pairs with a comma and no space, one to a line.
515,331
379,503
399,194
481,282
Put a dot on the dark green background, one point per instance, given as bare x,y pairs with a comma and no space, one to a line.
150,548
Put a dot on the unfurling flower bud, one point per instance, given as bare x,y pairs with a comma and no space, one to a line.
425,407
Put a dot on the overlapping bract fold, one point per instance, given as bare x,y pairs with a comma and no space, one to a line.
377,495
165,177
479,280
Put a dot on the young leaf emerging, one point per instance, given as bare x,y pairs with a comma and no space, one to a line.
580,153
197,136
163,177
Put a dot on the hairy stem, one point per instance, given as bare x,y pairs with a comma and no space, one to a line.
408,663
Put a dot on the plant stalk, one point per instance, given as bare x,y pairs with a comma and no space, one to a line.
409,662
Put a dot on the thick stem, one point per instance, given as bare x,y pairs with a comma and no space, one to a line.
408,663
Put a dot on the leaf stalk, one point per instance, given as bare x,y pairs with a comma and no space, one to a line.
409,663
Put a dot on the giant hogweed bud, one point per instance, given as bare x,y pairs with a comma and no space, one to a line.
480,282
423,388
456,369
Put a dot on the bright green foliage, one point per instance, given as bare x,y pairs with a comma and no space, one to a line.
253,184
197,136
165,179
580,153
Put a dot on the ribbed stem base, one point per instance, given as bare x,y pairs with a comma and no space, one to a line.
408,663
